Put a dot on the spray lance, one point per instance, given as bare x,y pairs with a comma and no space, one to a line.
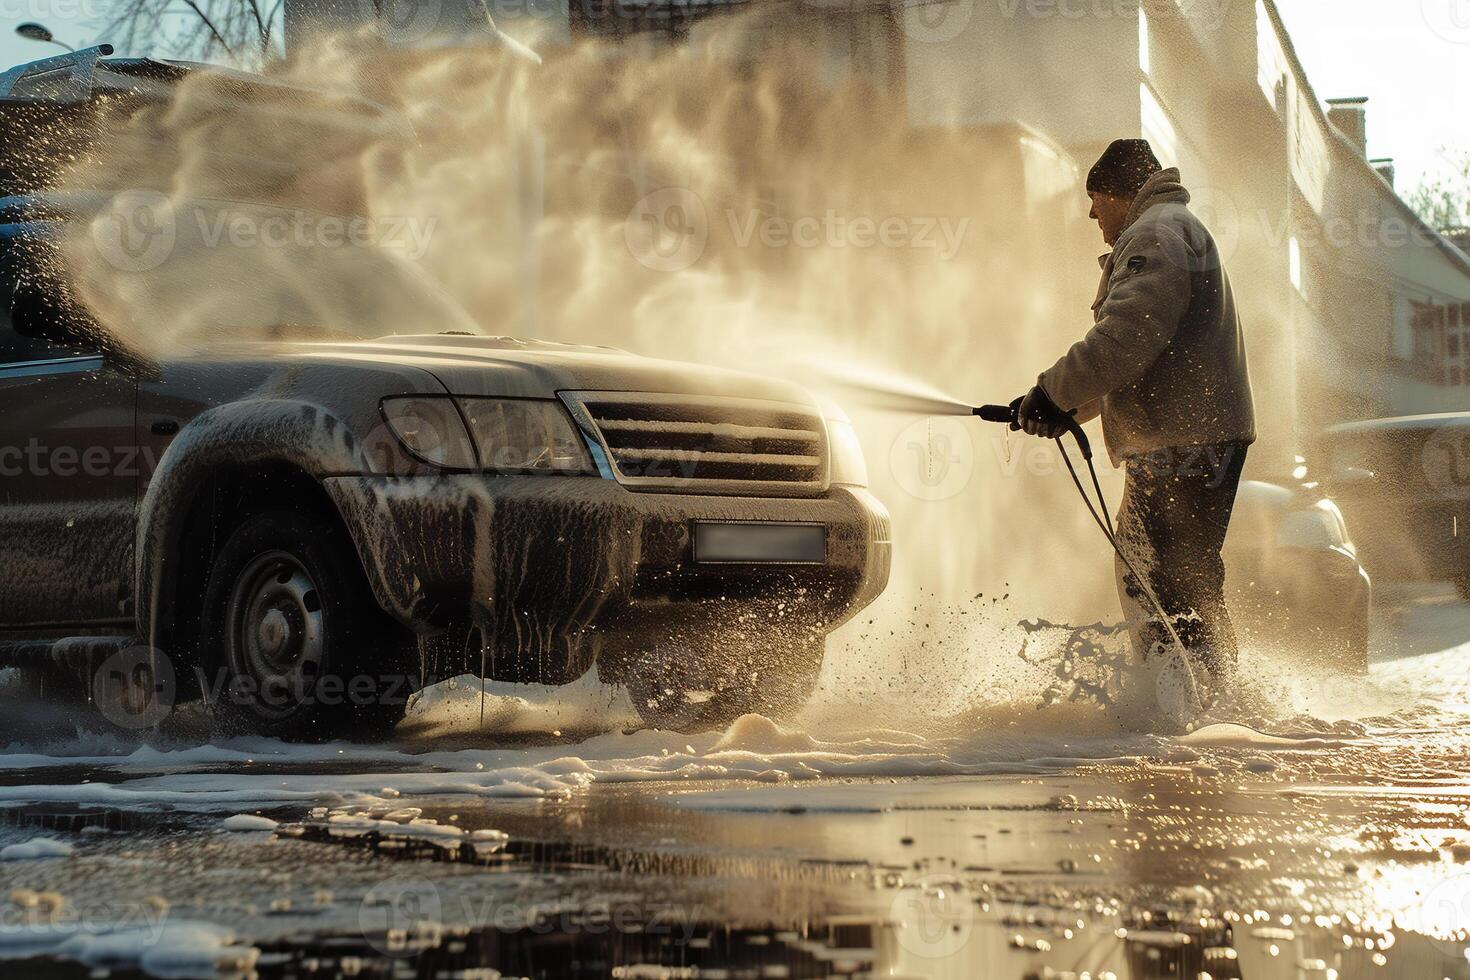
1009,415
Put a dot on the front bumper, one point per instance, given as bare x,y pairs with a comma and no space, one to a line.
556,570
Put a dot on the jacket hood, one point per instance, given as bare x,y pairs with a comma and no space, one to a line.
1163,187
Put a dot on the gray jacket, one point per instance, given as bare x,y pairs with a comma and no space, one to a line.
1164,363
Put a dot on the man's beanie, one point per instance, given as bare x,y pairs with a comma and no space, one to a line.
1123,168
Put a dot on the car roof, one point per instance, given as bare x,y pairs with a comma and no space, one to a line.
77,77
1436,420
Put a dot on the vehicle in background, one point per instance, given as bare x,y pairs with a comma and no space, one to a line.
1404,484
1293,578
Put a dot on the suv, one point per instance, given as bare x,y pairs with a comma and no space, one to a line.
309,525
291,518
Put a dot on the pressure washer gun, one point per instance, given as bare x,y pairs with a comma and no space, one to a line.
1006,415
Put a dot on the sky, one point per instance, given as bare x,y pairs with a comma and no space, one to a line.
1410,57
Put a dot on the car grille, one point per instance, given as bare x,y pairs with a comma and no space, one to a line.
706,444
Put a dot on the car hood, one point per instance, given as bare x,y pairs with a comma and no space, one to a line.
515,368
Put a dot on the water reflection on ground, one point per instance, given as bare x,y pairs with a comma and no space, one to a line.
1337,848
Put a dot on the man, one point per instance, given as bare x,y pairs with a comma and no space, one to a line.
1164,364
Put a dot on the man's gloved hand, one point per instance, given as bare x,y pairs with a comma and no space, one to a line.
1039,416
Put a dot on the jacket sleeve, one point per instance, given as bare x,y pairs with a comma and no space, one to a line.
1148,295
1087,411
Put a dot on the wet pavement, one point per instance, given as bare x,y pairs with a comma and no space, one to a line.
1334,848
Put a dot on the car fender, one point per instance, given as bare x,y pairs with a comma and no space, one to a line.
298,433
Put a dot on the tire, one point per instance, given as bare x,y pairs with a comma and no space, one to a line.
675,690
292,643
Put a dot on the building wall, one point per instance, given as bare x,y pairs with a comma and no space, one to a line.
1000,62
1352,308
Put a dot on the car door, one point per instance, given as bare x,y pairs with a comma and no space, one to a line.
68,481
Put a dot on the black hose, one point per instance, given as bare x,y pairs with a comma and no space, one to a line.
1105,524
1006,415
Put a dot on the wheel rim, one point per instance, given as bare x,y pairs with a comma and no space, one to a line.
277,635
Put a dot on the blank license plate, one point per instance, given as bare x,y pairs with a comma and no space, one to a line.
753,542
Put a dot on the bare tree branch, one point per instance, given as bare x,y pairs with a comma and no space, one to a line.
240,29
210,24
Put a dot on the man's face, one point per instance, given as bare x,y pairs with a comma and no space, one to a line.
1109,212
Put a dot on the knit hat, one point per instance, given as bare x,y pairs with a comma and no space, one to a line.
1123,168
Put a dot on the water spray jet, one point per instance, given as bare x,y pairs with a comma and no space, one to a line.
885,391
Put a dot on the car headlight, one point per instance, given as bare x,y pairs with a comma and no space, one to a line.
526,435
504,435
432,431
848,467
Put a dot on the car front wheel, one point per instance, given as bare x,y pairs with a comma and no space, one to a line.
293,644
